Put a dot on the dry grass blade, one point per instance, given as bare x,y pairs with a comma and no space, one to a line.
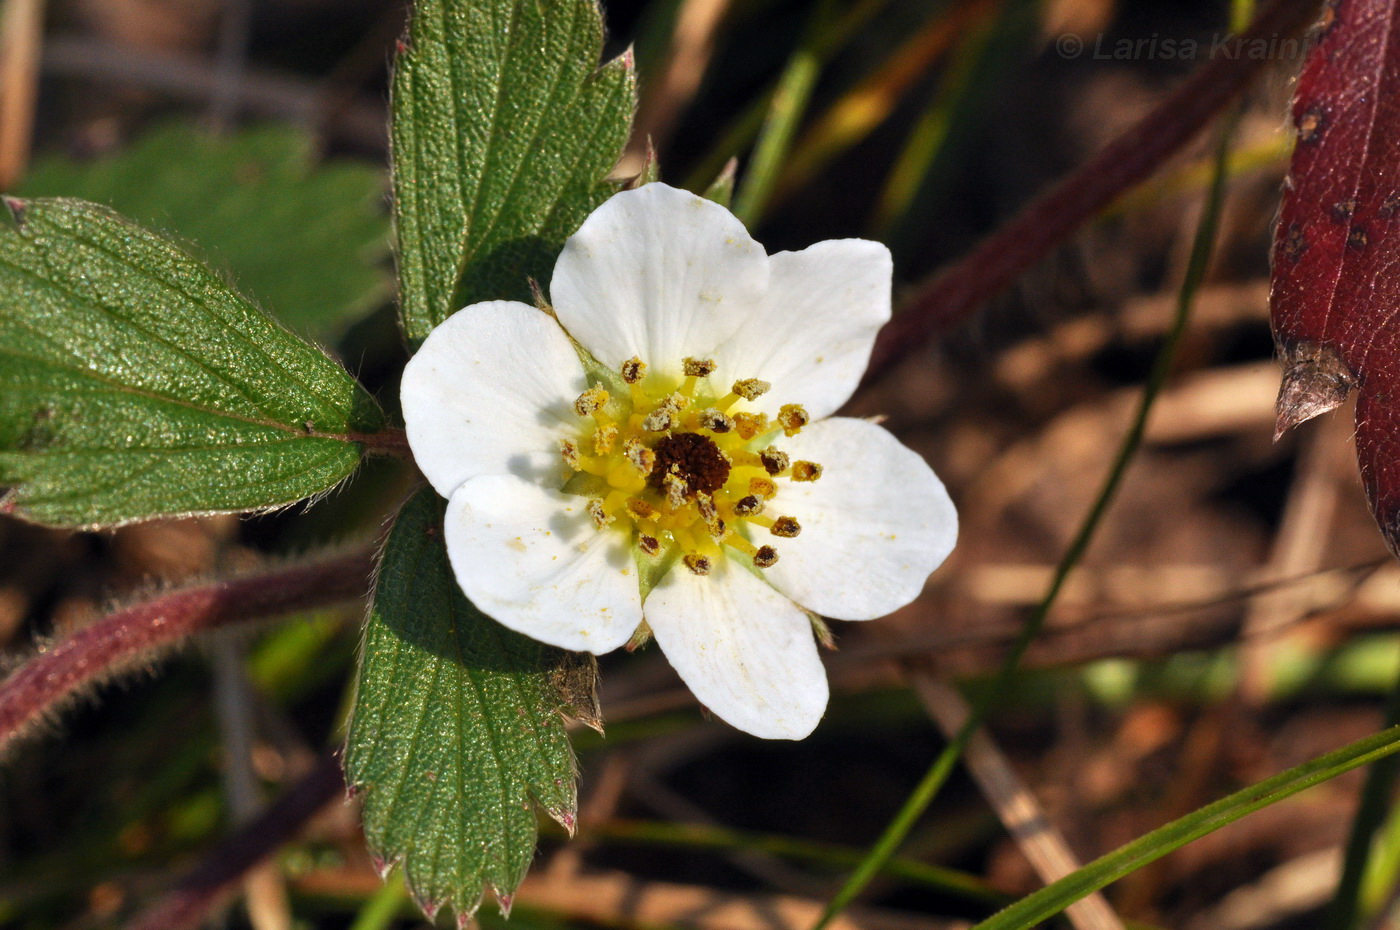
1013,801
666,97
619,899
21,33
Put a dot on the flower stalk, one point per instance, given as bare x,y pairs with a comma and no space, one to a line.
220,872
136,633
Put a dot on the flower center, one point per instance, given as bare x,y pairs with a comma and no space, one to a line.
671,465
692,457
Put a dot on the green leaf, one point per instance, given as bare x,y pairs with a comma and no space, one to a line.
305,239
135,384
504,131
456,732
1032,910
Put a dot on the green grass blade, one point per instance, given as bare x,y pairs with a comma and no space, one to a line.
830,39
1052,899
785,112
1370,813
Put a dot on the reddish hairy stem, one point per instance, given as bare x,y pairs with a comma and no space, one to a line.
388,442
135,632
219,873
953,294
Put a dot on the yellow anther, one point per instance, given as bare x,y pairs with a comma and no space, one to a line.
763,487
749,425
699,367
578,461
675,487
750,506
792,417
666,415
680,478
716,421
786,527
762,556
639,456
697,563
774,460
599,513
590,400
695,369
634,370
710,514
751,388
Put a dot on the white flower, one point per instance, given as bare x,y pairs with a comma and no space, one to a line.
704,459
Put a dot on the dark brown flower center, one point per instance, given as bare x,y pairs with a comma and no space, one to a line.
693,458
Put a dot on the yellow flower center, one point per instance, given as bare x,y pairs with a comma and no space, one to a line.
669,464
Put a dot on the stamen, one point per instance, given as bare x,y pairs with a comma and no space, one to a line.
750,506
699,367
749,425
786,527
640,457
774,460
710,514
634,370
577,460
697,563
600,516
714,420
569,449
675,487
666,415
763,487
792,417
681,478
751,388
590,400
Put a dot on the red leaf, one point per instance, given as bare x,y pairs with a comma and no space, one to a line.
1336,260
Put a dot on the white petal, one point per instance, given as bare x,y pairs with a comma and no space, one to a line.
746,651
490,392
657,273
812,336
874,526
532,559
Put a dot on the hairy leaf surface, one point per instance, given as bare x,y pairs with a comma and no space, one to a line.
456,734
135,384
505,129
